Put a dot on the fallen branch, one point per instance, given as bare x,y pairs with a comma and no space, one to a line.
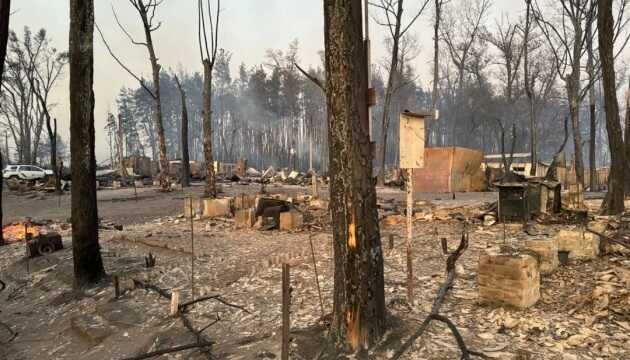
210,324
610,239
437,304
458,337
168,351
218,298
13,333
141,285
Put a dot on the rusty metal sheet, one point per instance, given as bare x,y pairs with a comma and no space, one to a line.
411,140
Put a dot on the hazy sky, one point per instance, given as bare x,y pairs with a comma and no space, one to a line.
248,29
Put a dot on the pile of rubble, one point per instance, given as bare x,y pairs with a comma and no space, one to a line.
263,212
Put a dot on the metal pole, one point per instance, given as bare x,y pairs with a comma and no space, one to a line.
319,291
368,52
192,249
409,236
286,305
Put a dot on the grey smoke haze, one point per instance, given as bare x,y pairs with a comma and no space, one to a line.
249,28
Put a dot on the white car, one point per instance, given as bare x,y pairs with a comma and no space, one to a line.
25,172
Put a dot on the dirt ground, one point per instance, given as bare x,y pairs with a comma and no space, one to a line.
242,267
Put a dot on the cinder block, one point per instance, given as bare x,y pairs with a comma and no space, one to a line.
196,207
291,220
579,243
216,208
547,251
508,279
244,201
245,218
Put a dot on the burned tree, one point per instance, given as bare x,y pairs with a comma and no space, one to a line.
460,31
185,175
5,13
539,77
590,69
146,10
436,62
88,265
359,299
47,68
567,41
393,11
614,202
208,58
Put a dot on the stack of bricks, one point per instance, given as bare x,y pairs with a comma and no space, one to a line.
291,220
245,218
546,250
192,207
244,201
507,279
580,243
217,208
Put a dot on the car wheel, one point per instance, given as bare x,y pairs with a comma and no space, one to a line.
45,249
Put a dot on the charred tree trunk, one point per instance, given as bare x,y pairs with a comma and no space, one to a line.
52,135
574,110
436,65
359,299
211,187
5,13
389,91
121,149
613,204
533,126
185,179
590,68
627,140
88,265
592,155
157,109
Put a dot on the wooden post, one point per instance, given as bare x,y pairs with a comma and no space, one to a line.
174,302
192,248
310,151
116,287
409,236
315,187
286,306
391,241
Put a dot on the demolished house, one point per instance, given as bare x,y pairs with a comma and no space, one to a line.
450,169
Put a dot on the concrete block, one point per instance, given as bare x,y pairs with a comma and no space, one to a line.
217,208
579,243
547,251
139,183
291,220
244,201
245,218
116,184
197,208
508,279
